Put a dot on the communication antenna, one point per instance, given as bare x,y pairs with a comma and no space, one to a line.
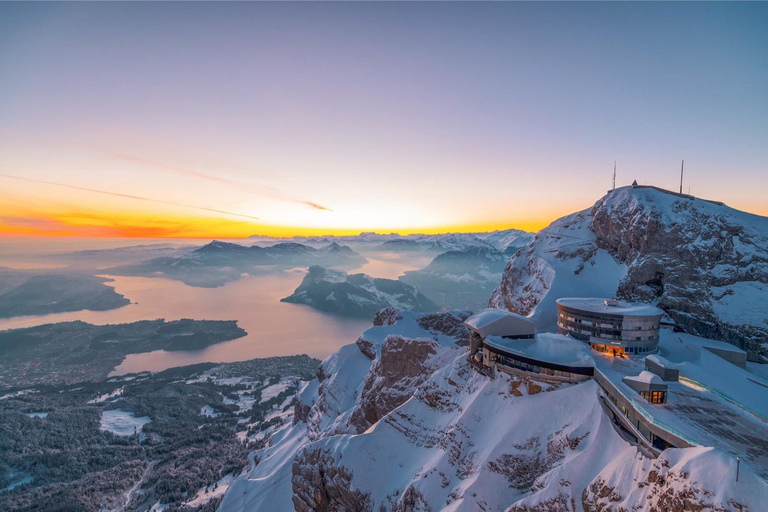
681,176
614,175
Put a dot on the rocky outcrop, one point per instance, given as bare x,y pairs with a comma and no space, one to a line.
367,347
300,411
386,316
675,482
450,324
322,484
704,263
393,378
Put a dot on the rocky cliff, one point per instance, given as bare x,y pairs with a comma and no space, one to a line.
704,263
399,422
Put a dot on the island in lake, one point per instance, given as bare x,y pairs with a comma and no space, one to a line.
356,295
71,352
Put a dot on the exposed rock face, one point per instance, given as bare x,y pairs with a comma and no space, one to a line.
675,482
300,411
366,347
705,264
322,484
386,316
402,367
450,323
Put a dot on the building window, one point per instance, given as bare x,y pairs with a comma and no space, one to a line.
654,397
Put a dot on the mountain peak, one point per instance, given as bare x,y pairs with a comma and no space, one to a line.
218,246
704,263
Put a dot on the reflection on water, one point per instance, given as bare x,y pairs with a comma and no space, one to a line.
391,265
274,328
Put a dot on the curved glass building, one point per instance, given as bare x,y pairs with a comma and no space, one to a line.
613,326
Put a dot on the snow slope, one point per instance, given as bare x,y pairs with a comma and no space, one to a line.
122,423
447,438
702,262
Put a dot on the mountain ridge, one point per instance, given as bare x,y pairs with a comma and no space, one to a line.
704,263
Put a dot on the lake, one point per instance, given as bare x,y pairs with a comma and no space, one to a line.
274,328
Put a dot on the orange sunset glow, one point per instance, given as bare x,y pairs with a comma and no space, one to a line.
329,127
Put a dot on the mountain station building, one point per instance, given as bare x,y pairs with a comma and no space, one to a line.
616,327
504,341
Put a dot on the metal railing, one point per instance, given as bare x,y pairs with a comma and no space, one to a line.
611,388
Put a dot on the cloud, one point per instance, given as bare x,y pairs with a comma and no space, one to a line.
128,196
100,226
258,189
317,206
263,190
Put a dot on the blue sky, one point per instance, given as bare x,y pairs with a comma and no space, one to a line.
392,115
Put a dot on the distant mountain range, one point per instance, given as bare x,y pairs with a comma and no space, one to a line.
460,279
217,263
505,241
356,295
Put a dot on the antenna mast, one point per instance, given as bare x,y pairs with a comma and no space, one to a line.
681,176
614,175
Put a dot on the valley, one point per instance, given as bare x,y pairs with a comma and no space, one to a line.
175,438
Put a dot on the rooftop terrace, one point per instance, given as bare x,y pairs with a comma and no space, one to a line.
714,404
547,347
598,305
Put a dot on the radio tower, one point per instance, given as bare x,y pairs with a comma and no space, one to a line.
614,175
682,166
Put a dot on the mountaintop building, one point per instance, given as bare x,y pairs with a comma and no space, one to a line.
615,327
507,342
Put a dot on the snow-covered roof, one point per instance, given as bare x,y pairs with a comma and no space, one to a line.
661,361
618,307
499,322
646,377
546,347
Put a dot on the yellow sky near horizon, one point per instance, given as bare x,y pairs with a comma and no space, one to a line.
32,222
194,120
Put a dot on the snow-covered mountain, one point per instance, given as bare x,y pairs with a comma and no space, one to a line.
356,295
460,279
399,421
217,262
505,241
704,263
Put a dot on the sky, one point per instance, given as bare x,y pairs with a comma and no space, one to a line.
227,120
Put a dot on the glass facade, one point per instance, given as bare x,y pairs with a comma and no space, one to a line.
523,363
654,397
624,334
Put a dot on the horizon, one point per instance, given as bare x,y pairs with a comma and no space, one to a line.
321,232
221,121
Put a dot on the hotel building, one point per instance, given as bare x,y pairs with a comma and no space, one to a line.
614,326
